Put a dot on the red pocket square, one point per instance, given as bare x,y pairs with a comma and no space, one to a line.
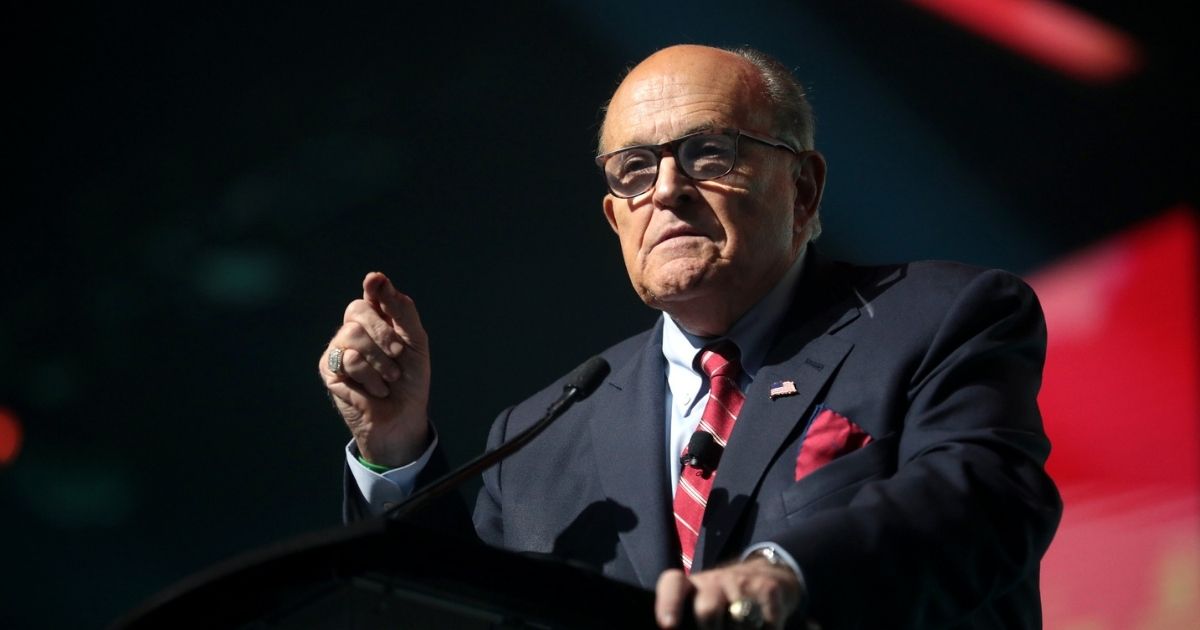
830,436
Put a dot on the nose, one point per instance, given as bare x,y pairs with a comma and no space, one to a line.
673,188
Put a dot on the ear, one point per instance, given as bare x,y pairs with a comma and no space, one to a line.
810,184
609,213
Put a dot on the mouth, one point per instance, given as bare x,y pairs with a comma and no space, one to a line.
681,231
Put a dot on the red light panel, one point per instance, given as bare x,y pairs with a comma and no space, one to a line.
1051,33
1121,400
10,436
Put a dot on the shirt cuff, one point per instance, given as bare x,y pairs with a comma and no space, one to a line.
384,490
782,554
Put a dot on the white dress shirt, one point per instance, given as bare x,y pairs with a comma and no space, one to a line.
687,389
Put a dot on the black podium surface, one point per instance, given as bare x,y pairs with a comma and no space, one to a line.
388,574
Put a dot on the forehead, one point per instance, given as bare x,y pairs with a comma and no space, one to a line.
666,99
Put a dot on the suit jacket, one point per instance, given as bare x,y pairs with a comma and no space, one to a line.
933,509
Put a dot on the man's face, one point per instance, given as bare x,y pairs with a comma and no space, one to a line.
703,244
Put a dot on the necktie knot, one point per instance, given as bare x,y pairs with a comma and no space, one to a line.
721,358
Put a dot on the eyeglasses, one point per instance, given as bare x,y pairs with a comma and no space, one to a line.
704,155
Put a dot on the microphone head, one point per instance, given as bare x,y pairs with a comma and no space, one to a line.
703,452
587,376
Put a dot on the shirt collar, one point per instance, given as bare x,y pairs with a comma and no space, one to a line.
752,333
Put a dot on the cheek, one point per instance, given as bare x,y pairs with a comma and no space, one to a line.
630,233
777,194
759,229
631,228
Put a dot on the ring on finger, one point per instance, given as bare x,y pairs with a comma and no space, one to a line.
746,613
335,361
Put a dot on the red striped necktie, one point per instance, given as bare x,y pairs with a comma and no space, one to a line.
721,363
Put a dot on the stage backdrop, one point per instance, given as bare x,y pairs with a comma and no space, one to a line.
195,193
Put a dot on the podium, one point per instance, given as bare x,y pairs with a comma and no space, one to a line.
388,574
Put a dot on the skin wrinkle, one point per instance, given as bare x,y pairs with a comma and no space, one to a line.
656,99
735,236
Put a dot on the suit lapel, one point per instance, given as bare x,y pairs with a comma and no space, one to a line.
808,355
629,434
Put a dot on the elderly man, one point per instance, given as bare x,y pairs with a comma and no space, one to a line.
796,440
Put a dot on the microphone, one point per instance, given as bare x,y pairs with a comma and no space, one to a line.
702,453
579,385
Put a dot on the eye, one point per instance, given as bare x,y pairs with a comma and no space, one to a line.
707,156
633,163
710,147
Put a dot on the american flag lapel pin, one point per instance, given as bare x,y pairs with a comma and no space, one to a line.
782,388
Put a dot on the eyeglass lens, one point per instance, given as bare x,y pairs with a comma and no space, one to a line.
706,156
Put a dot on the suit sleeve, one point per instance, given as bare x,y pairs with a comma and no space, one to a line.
970,511
489,522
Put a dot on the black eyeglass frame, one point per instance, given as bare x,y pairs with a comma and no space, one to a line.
672,147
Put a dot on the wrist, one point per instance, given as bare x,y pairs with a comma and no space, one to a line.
768,555
398,453
779,560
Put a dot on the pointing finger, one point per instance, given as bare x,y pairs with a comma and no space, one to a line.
396,305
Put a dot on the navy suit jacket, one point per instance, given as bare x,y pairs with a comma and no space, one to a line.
940,520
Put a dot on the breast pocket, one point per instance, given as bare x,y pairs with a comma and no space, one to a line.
837,482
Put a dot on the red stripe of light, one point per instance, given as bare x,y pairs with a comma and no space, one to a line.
10,436
1051,33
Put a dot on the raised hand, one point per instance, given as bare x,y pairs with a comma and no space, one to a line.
381,385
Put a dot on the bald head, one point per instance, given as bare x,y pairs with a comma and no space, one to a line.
709,71
783,96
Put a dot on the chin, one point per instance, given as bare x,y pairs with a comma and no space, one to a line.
675,288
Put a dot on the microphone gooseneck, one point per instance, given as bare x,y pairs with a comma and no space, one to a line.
579,384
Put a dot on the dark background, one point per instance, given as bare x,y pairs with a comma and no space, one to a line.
196,193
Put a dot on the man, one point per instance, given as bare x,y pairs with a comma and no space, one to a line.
876,457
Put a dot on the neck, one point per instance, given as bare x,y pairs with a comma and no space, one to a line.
715,312
704,320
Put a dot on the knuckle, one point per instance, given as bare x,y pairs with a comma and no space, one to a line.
666,578
775,589
381,331
354,330
352,360
355,358
354,308
707,606
375,361
705,577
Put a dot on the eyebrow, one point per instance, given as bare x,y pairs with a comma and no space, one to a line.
704,126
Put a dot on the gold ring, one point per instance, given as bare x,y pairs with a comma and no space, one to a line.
746,613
